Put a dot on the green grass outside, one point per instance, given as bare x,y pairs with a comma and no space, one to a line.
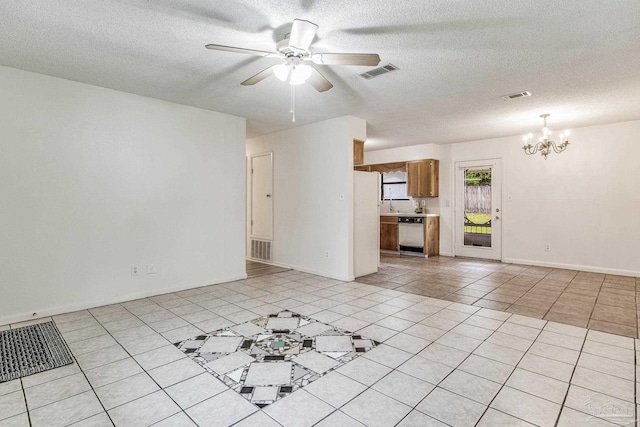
478,218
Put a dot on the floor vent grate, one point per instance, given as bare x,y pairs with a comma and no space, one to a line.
261,249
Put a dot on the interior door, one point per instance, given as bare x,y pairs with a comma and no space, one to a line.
262,196
478,209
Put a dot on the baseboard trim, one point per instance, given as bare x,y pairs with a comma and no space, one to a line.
46,312
586,268
449,254
317,273
261,261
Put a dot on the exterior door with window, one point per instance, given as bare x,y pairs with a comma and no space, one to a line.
478,209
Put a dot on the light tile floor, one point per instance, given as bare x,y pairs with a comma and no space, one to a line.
439,363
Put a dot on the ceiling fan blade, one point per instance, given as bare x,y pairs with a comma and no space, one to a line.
258,77
346,58
318,81
302,34
239,50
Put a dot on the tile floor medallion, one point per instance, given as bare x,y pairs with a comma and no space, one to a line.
270,357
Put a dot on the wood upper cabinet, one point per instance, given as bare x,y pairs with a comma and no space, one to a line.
422,178
389,233
362,168
358,152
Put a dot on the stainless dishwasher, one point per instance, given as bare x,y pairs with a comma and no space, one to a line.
411,235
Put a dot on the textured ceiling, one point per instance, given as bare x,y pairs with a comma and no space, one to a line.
579,58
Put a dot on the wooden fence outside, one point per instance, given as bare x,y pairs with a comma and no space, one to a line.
477,199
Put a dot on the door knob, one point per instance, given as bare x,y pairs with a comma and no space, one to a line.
498,210
497,217
268,195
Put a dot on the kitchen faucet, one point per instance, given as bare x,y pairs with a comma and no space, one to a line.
390,205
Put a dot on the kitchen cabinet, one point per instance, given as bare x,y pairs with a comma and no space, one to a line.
358,152
422,178
389,237
432,236
362,168
389,233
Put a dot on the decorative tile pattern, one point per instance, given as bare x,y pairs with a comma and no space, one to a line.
270,357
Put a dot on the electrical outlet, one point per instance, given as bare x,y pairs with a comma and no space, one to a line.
151,269
135,270
547,247
326,254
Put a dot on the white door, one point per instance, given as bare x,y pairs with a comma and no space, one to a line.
478,209
262,196
366,220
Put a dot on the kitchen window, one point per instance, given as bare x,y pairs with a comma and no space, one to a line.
394,186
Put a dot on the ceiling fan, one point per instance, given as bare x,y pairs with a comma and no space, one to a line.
294,50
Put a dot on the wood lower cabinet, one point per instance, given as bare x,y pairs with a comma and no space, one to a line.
389,233
422,178
432,236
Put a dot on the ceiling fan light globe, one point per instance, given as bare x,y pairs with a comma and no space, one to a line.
300,74
281,72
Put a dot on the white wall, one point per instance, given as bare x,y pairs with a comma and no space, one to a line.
401,154
585,202
313,195
94,180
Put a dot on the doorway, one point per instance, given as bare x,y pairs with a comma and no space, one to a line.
478,224
261,213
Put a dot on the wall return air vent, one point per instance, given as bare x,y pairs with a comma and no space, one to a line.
379,71
511,96
261,250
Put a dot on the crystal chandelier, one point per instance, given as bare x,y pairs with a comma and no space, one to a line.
545,144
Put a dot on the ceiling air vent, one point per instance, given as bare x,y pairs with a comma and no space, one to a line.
516,95
379,71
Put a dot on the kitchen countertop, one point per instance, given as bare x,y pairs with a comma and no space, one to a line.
415,215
